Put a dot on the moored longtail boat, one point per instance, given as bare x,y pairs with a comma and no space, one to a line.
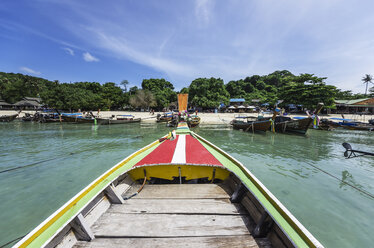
283,124
193,120
119,119
246,124
165,117
178,191
77,118
8,118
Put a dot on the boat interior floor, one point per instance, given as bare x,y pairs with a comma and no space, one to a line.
175,215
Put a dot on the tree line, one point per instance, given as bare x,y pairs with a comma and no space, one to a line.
305,89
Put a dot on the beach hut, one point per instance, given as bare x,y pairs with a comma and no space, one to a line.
31,103
4,105
356,106
241,109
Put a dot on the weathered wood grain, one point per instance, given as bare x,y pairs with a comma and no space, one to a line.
97,210
201,242
170,225
196,191
113,195
175,206
81,229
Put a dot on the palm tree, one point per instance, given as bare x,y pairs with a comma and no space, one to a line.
367,79
124,83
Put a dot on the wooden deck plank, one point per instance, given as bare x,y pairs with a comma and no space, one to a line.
194,191
168,225
201,242
175,206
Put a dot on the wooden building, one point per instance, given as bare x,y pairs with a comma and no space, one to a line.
5,106
31,103
357,106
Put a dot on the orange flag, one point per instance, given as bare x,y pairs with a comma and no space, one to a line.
182,102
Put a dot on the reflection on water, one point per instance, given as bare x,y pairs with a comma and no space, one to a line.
70,156
347,180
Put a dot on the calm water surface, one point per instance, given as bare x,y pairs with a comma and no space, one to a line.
66,158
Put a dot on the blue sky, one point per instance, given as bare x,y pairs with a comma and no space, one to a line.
102,41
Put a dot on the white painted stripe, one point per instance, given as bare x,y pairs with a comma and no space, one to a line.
180,151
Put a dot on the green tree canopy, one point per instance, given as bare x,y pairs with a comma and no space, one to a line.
162,90
208,93
308,90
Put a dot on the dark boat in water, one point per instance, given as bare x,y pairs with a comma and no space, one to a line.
78,118
193,120
8,118
251,124
119,119
348,124
283,124
165,117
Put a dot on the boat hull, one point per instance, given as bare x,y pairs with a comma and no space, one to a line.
193,121
328,125
254,126
73,119
8,118
300,126
164,119
179,167
103,121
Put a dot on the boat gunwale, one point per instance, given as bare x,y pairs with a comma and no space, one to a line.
49,221
284,212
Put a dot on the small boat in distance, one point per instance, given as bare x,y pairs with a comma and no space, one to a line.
180,190
165,117
118,119
250,123
342,123
193,120
78,118
283,124
8,118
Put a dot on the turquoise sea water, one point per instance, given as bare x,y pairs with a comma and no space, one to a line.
66,158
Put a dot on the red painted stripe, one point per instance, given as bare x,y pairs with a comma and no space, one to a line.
196,153
162,154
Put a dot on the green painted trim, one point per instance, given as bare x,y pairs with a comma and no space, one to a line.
72,212
292,233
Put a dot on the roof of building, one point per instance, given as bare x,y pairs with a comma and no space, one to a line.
350,102
37,99
25,102
4,103
237,100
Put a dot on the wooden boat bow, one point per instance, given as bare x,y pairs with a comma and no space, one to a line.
177,166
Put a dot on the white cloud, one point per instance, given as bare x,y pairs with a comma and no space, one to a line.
89,58
203,11
204,38
29,70
69,51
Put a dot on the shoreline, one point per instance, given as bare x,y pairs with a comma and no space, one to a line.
206,118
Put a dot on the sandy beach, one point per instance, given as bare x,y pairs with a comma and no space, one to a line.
206,118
